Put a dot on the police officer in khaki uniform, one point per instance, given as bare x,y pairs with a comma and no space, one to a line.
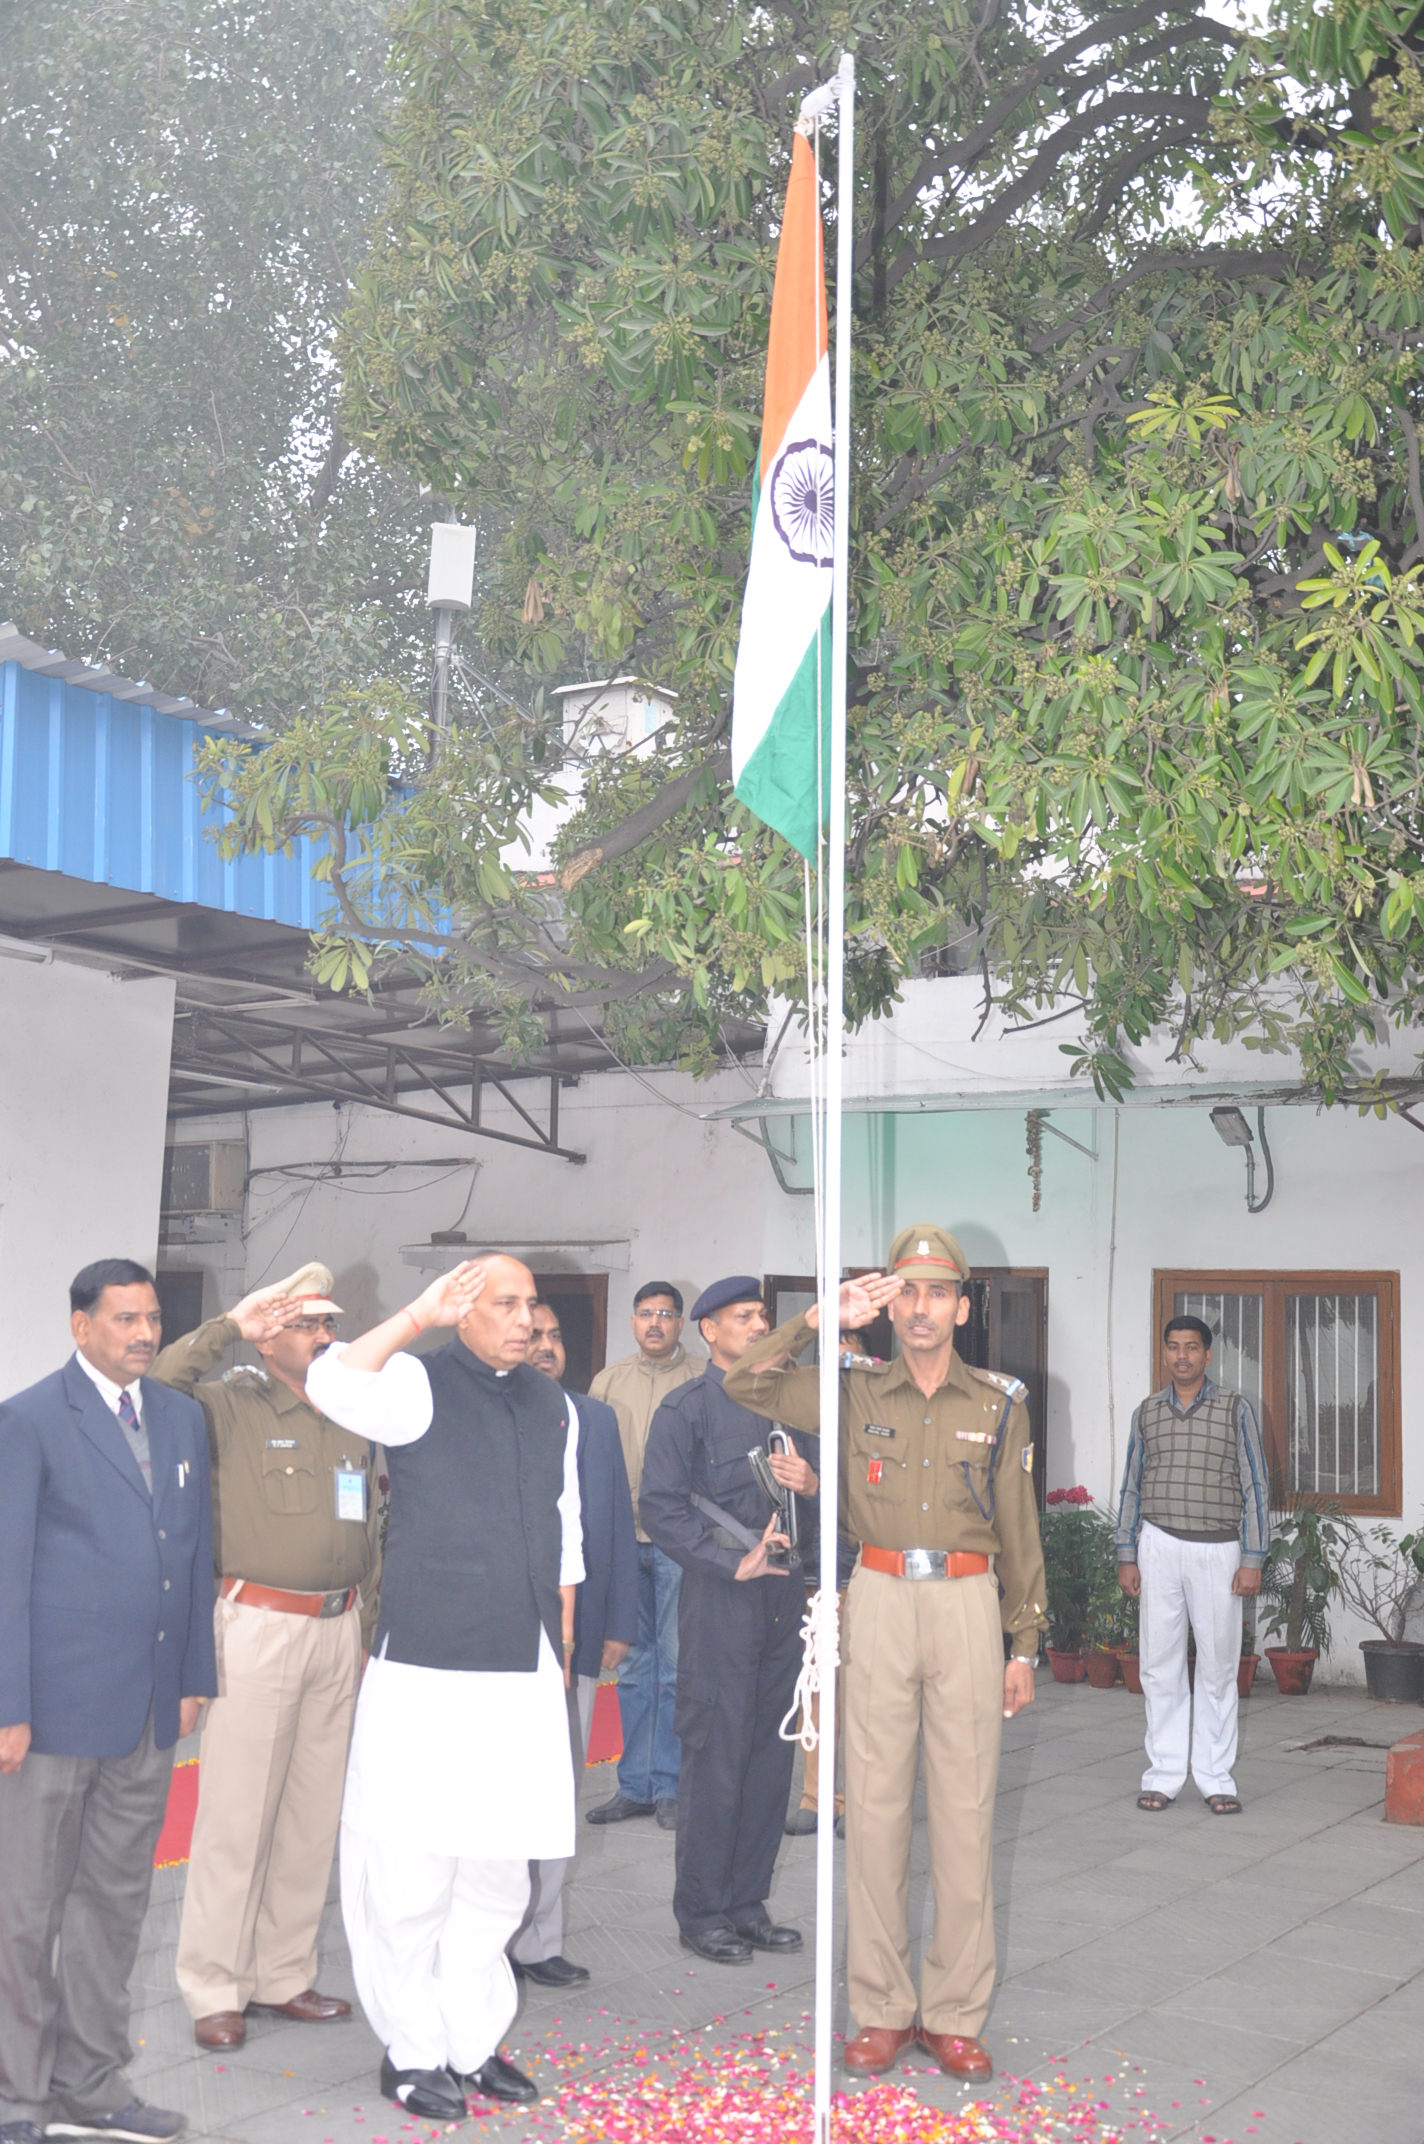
936,1478
297,1551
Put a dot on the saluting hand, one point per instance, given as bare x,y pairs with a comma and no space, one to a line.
450,1298
861,1301
265,1313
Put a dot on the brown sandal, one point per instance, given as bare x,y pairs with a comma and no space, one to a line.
1223,1805
1154,1802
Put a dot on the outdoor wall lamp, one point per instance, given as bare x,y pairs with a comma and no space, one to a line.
1233,1130
450,588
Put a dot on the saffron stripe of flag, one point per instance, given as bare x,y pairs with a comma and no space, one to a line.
781,693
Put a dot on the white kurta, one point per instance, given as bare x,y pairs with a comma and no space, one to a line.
469,1764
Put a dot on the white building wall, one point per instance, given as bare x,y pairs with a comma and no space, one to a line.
83,1098
670,1197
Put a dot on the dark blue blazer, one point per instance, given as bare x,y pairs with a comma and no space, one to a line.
608,1598
106,1595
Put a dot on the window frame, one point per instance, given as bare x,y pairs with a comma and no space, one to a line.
1274,1284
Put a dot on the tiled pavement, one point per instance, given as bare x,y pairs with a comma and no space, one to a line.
1260,1976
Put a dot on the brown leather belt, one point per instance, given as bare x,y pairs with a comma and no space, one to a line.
924,1562
322,1604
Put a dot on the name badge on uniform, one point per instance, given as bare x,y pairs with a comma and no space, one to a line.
351,1494
283,1444
878,1429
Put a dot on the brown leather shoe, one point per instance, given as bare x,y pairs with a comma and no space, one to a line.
222,2028
308,2008
956,2055
877,2048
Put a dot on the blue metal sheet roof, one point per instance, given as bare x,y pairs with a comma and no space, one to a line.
99,785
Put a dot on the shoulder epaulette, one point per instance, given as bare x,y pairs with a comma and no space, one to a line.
244,1373
1013,1388
852,1361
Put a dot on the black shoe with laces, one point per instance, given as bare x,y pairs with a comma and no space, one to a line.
553,1972
133,2124
19,2133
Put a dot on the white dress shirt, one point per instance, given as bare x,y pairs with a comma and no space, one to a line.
109,1392
472,1763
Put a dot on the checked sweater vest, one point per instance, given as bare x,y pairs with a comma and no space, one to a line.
475,1541
1191,1467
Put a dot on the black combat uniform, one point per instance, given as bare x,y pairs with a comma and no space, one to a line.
739,1653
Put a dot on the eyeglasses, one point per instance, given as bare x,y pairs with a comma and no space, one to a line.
314,1325
663,1317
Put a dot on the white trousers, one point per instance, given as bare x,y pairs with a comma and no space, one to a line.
541,1933
427,1936
1189,1583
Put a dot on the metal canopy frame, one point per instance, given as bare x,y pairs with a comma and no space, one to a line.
351,1067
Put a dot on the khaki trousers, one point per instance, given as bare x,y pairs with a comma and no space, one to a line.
272,1765
924,1661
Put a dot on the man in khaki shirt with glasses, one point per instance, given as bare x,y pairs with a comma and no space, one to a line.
936,1478
297,1551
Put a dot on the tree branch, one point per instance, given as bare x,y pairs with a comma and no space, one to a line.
645,820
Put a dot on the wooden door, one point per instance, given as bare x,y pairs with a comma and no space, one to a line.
581,1303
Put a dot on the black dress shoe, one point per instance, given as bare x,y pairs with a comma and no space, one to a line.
800,1824
433,2094
765,1935
721,1945
549,1972
498,2079
667,1812
618,1810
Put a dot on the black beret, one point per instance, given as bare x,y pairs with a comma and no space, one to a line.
736,1288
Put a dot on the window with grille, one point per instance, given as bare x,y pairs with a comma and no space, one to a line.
1317,1355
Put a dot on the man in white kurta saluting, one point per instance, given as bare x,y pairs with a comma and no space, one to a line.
460,1768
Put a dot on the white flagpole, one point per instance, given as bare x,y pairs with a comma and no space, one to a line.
833,1033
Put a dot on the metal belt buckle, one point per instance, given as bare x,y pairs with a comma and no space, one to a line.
924,1562
334,1603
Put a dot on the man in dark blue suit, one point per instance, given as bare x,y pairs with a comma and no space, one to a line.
106,1648
605,1625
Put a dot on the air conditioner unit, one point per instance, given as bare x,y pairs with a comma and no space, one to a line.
205,1178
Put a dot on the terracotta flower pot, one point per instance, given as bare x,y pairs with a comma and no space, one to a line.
1246,1673
1291,1670
1131,1672
1067,1667
1101,1667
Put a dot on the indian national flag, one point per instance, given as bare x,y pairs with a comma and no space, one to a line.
781,696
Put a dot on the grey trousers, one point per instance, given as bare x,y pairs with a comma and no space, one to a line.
77,1836
541,1932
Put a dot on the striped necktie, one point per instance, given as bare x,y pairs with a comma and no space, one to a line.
137,1436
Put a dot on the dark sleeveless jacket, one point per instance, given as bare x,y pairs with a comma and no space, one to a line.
473,1549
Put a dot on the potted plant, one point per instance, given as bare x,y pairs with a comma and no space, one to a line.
1127,1658
1074,1535
1299,1576
1382,1579
1106,1626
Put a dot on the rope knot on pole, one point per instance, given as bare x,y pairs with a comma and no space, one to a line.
820,1657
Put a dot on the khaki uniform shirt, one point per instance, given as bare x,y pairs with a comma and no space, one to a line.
275,1461
635,1389
915,1472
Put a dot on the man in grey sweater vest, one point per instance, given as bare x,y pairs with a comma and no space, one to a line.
1193,1531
